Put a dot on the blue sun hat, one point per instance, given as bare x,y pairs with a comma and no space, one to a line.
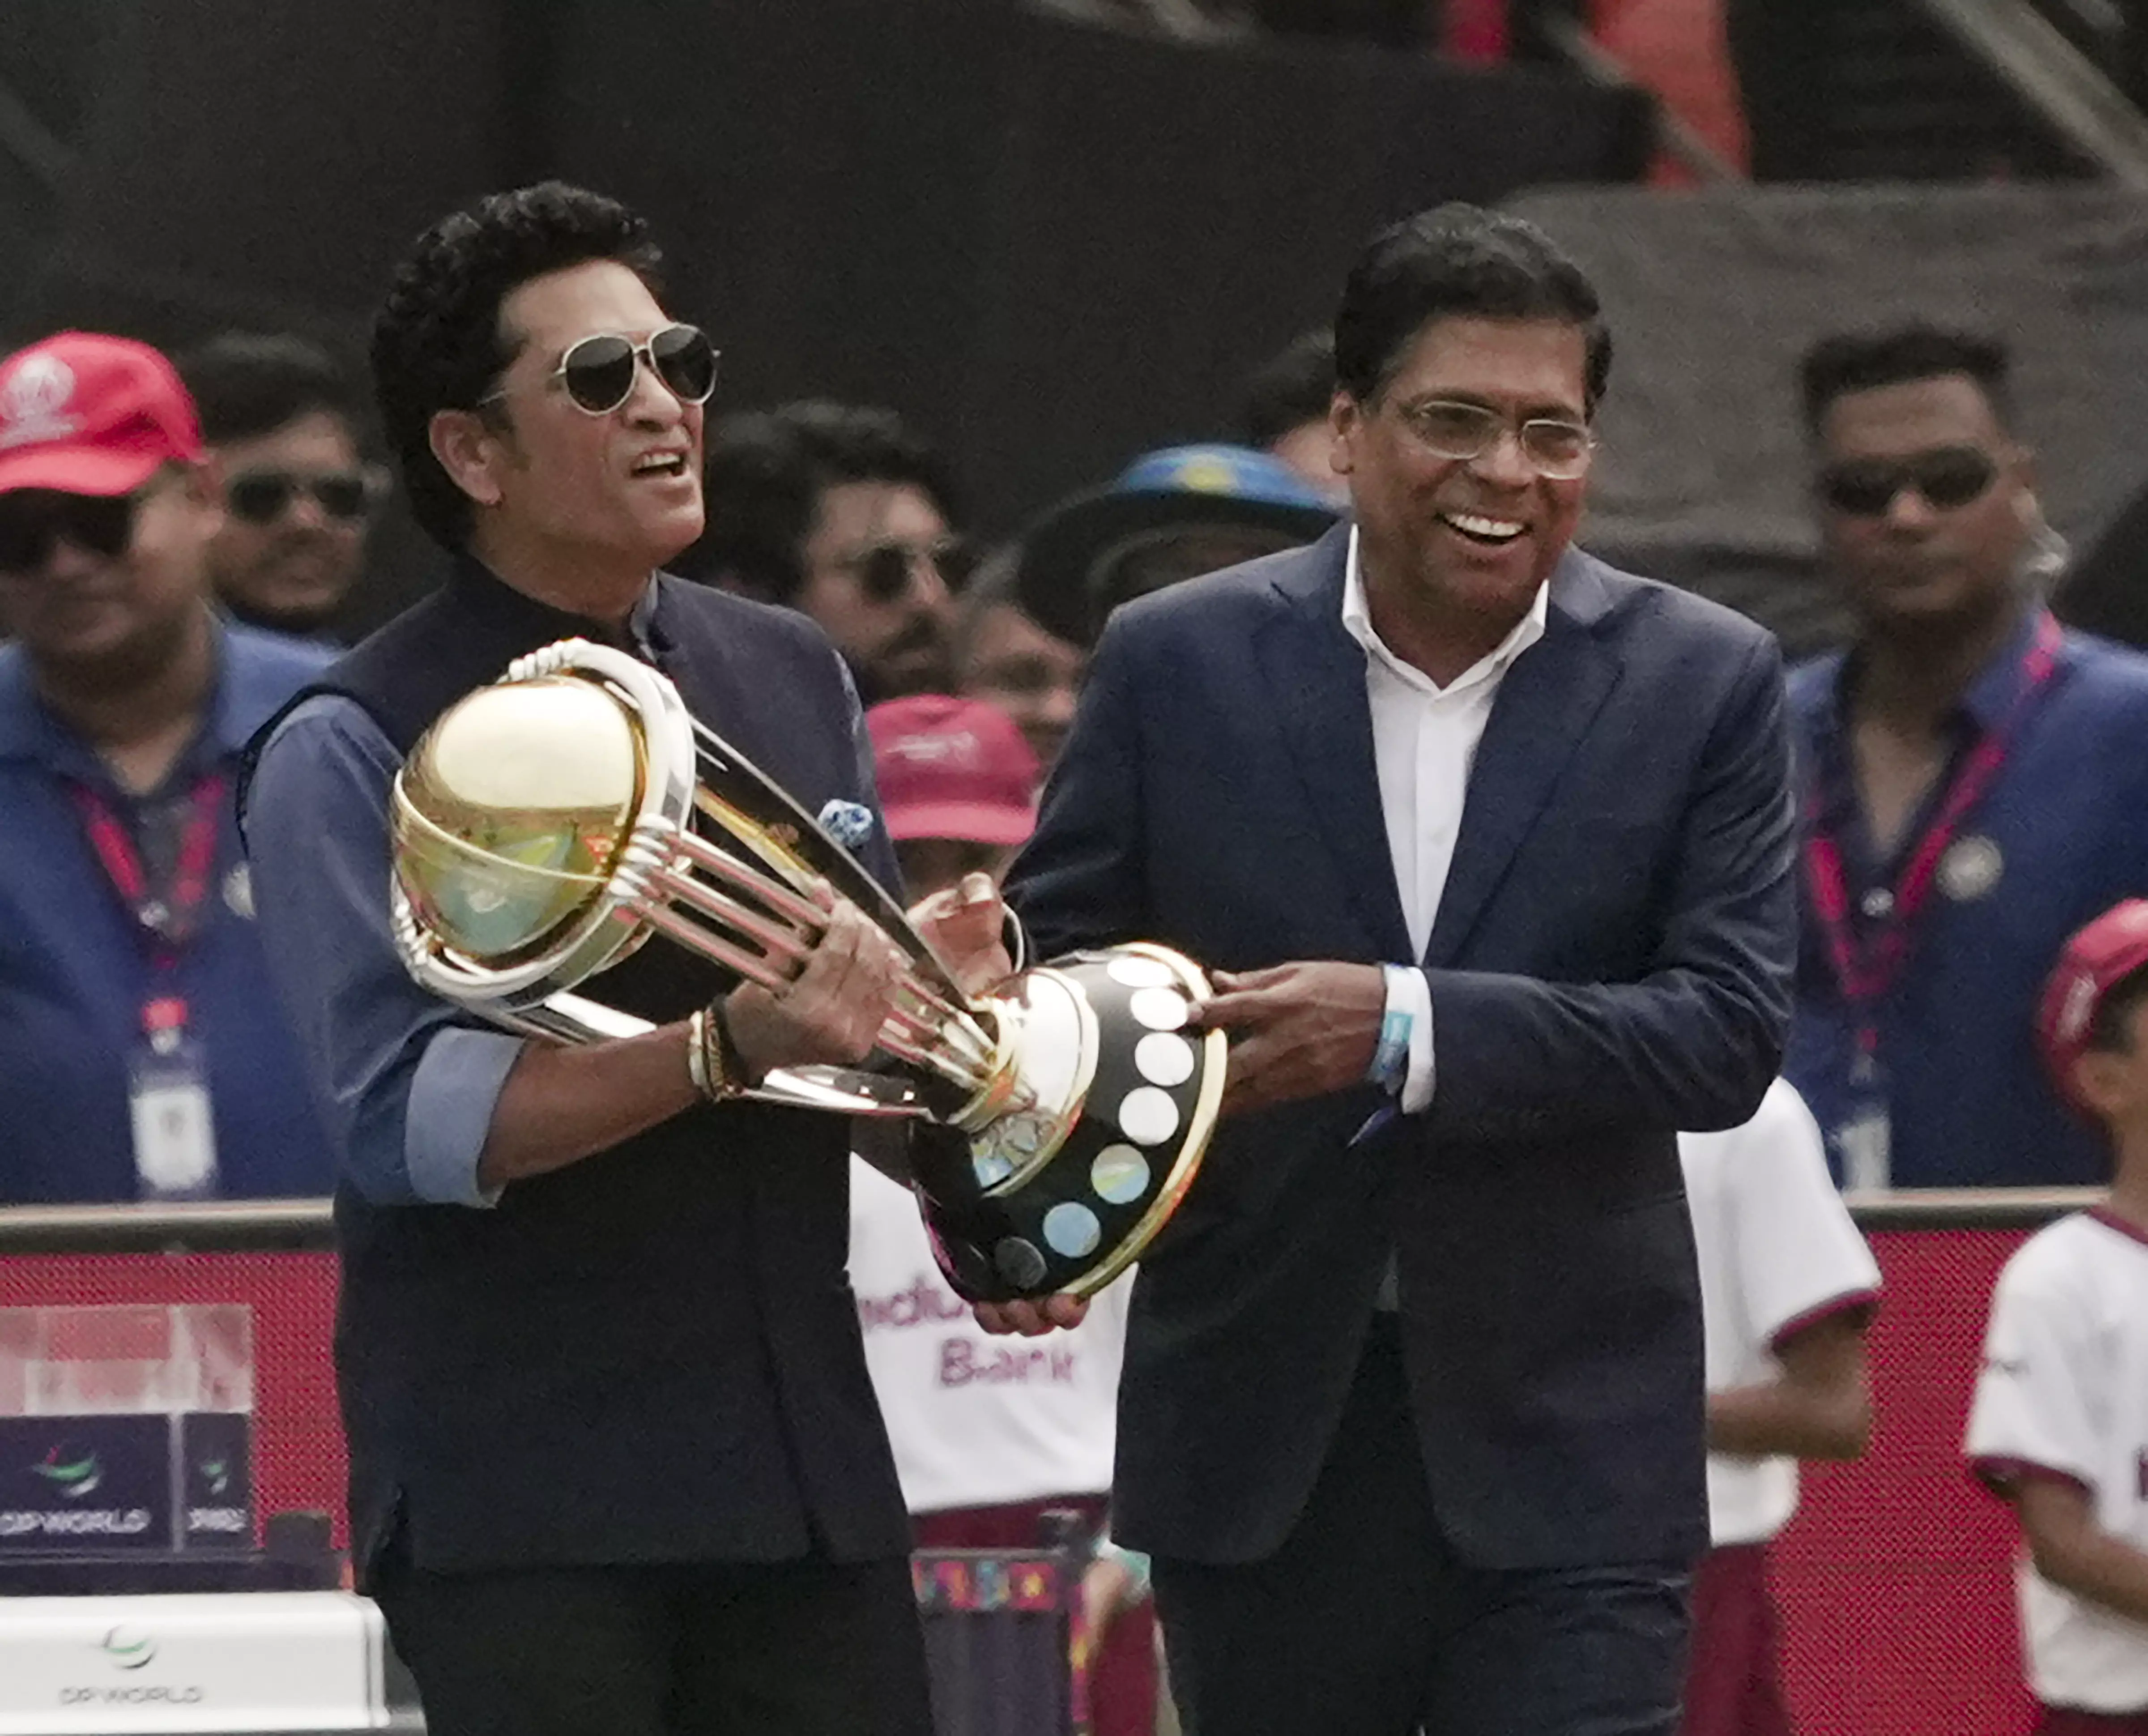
1170,515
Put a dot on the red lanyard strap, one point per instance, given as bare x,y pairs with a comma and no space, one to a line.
1865,971
166,924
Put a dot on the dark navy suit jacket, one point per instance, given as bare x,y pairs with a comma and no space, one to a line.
1609,964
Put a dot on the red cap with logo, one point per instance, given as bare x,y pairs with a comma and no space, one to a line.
85,413
950,768
2092,963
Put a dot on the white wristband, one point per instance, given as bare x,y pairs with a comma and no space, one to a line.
1391,1053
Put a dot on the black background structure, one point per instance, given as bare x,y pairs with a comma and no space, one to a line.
1052,245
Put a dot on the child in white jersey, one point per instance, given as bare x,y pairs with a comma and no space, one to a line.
2059,1426
1787,1288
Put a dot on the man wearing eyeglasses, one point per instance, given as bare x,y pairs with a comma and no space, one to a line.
616,1467
280,422
142,1052
842,512
1488,845
1972,783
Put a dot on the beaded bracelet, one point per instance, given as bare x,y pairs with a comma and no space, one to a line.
708,1056
726,1064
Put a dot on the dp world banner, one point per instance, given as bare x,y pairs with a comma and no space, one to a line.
85,1485
264,1661
90,1485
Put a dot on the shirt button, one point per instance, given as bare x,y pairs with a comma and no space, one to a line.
1879,904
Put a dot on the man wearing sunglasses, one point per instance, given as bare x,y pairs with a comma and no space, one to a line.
280,421
616,1467
142,1052
1973,786
843,513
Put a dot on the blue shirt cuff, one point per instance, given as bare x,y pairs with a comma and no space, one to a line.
453,1094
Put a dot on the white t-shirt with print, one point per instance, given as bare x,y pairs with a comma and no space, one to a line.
1778,1253
975,1420
2063,1393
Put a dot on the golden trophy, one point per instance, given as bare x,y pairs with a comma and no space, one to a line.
547,826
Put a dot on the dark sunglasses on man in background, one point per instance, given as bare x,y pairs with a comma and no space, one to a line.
261,496
1946,477
598,370
33,521
885,570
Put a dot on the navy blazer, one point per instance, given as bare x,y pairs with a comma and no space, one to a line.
1610,963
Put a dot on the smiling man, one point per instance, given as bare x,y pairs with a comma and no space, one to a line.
124,902
840,512
616,1468
280,422
1974,786
1490,844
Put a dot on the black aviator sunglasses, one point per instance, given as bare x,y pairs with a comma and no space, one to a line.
886,571
261,496
1946,477
598,370
33,521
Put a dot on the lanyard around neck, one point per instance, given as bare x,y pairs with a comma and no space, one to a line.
165,923
1867,966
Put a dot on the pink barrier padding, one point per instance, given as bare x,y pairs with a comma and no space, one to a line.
1896,1577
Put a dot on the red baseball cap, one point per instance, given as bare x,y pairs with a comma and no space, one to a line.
2092,964
84,413
950,768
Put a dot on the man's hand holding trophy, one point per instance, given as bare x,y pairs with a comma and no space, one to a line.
550,825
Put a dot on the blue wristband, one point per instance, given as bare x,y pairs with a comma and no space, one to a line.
1390,1065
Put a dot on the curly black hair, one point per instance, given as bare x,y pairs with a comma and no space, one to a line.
437,342
1863,361
766,471
1459,262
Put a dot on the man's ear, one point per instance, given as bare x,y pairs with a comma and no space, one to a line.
2102,1079
1345,423
470,451
202,485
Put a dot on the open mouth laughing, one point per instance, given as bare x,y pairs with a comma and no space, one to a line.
660,463
1485,530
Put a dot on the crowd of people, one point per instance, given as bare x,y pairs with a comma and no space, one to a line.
1555,928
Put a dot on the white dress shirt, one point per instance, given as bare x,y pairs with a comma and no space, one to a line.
1424,739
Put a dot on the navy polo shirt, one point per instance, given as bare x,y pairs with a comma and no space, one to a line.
2061,835
74,973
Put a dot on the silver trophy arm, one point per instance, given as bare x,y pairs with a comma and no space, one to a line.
571,1018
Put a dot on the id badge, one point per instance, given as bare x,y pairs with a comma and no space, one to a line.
175,1135
1863,1136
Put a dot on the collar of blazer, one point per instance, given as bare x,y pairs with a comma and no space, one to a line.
1545,704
